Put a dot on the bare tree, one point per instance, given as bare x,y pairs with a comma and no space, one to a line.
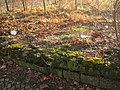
24,3
31,6
7,7
13,4
115,14
44,5
76,4
55,1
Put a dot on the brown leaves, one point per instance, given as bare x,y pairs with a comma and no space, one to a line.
43,86
2,32
97,34
3,66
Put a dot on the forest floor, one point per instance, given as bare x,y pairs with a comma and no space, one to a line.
89,34
16,77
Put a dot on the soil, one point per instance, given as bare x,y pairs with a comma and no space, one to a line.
15,77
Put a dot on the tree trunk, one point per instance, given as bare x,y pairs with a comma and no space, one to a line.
24,4
44,5
13,4
7,7
60,4
76,4
115,19
55,1
31,6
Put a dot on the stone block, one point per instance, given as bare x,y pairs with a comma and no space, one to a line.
71,75
72,65
90,80
109,84
57,72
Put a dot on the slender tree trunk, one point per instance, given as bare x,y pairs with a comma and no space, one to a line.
44,5
60,4
55,1
13,4
24,4
7,7
115,19
76,4
98,7
31,6
81,4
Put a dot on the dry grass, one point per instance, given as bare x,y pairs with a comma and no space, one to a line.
68,4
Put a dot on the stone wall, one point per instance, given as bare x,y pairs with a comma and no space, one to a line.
101,82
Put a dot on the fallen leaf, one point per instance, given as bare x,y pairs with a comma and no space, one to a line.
13,32
45,78
76,83
42,86
106,26
60,88
9,63
3,67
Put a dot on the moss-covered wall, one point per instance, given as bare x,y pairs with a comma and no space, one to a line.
66,63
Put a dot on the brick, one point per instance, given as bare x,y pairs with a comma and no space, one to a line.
2,80
9,85
27,87
57,72
90,80
109,84
13,88
7,79
71,75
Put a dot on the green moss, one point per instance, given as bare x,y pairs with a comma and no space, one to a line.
49,40
66,45
95,60
49,56
101,62
65,36
73,65
64,58
63,65
59,73
78,29
17,45
74,53
4,37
